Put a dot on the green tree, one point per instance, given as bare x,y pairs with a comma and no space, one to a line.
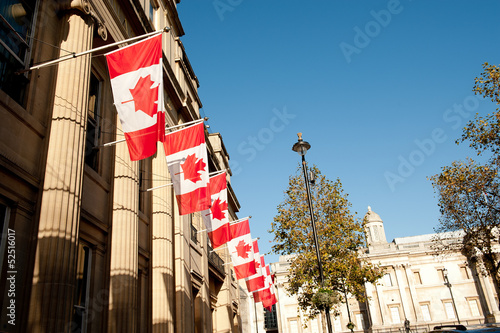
340,235
469,191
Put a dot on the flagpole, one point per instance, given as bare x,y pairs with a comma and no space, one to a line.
216,173
75,55
241,220
188,123
166,128
157,187
219,248
170,184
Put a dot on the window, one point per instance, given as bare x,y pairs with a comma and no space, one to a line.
375,233
81,306
337,325
314,325
396,319
93,123
143,186
450,312
16,25
426,314
270,318
417,278
150,8
440,272
360,321
388,280
194,231
464,272
294,326
474,307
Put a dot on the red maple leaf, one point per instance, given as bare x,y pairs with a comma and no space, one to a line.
218,209
144,96
191,168
243,248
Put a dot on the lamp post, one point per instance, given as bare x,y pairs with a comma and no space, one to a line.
350,324
448,284
301,147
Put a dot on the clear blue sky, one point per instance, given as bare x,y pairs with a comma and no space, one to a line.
380,89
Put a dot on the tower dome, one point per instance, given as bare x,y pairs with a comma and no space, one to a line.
371,216
374,228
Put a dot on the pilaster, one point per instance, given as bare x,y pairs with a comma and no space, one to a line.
162,257
372,311
124,264
184,299
398,270
52,294
413,295
493,315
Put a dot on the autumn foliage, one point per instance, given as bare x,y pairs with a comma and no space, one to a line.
469,191
340,235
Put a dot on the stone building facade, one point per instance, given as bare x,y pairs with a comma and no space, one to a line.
84,246
419,285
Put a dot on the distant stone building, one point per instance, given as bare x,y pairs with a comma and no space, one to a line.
418,285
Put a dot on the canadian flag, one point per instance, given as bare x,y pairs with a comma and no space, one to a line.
267,295
187,162
136,76
256,281
240,248
217,217
269,299
264,271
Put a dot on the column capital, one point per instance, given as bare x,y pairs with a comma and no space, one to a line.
87,9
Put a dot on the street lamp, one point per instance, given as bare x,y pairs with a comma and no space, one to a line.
302,147
350,324
448,284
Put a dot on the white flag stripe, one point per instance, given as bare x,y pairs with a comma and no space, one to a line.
131,119
256,256
174,164
216,223
246,240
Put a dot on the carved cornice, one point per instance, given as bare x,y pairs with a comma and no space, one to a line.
81,5
86,8
98,21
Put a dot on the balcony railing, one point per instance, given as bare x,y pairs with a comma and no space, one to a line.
215,260
194,234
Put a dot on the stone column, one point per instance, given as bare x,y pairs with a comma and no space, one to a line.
493,314
402,290
184,302
384,312
54,271
162,257
372,311
124,265
413,295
